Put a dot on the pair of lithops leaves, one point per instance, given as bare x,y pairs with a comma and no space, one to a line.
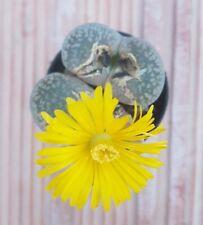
93,54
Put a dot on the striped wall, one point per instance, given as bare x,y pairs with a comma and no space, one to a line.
31,32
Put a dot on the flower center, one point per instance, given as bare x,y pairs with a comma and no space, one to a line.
101,148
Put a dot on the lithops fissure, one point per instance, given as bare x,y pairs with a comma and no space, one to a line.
129,64
100,57
96,68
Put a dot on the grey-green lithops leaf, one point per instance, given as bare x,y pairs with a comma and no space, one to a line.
51,92
83,45
148,83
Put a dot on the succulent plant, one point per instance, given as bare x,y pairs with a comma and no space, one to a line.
93,54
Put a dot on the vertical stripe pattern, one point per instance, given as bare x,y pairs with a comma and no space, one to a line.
31,33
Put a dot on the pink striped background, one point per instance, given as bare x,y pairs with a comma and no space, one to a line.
31,32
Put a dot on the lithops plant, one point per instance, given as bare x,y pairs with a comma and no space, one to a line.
50,94
143,76
93,54
87,52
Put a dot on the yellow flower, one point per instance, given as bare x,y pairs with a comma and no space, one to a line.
97,154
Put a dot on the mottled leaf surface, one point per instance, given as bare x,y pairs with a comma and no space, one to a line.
51,92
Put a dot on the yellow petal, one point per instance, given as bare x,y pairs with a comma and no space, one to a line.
104,190
109,106
95,188
127,177
145,161
137,167
82,186
135,112
51,169
140,112
95,109
76,172
80,113
67,120
46,117
63,176
51,138
67,131
52,151
67,158
118,189
158,130
118,124
65,138
152,148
